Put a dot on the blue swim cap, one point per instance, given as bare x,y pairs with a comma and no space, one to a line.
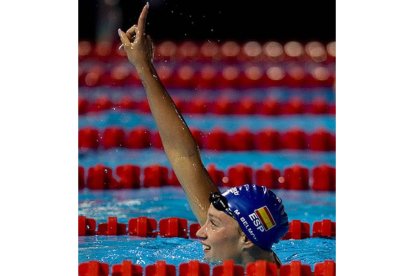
259,212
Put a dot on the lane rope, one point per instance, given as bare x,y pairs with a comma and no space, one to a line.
179,227
217,139
129,176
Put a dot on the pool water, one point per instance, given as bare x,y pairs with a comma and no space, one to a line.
158,203
165,202
206,122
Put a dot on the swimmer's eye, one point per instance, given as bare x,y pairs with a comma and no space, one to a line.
213,223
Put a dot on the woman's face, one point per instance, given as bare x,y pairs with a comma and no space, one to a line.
221,236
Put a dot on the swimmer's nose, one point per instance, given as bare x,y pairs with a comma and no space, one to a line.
201,233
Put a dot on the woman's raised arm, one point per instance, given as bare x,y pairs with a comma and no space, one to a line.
179,145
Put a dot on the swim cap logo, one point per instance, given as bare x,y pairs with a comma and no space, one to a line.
265,218
234,191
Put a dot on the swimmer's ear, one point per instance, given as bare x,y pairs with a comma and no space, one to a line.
247,243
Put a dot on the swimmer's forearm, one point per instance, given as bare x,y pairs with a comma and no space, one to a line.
179,144
174,132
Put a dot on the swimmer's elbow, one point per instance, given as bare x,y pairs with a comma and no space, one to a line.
180,155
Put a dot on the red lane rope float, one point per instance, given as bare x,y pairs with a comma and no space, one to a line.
126,268
112,227
296,178
100,178
295,268
93,268
197,268
327,268
261,268
228,51
88,138
217,139
324,178
138,138
173,227
86,226
194,268
228,268
324,228
113,136
178,227
155,176
268,176
238,175
297,230
221,106
237,76
127,176
81,178
160,268
142,227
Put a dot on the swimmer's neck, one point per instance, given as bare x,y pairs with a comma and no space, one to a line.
256,254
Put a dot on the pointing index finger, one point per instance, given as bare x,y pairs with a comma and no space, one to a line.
142,20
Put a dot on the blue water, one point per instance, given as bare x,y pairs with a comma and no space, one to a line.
165,202
158,203
307,206
222,160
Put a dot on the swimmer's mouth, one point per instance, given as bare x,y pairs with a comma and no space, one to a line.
206,247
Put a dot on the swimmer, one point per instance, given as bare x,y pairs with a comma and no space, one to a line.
240,224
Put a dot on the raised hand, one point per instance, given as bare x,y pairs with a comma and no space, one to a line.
138,45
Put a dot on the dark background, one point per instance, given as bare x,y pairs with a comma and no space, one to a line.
214,20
